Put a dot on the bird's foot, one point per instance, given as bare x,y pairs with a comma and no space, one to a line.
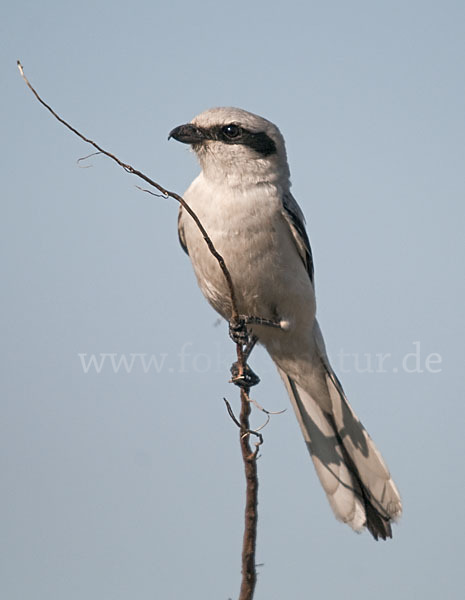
240,334
238,331
282,324
245,379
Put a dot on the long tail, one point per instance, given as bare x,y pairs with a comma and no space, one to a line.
351,470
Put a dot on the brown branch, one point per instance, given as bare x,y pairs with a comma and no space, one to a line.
156,185
249,575
249,542
249,457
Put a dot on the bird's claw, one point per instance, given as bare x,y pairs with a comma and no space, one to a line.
238,331
246,379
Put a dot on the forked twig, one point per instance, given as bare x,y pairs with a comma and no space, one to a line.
152,193
250,431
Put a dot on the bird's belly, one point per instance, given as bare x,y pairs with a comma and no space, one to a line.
269,277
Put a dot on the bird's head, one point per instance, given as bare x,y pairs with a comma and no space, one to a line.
235,145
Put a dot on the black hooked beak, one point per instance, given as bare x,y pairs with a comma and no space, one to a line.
187,134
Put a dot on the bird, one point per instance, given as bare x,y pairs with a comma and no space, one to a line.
242,198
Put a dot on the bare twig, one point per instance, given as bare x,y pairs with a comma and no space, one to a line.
151,193
83,158
249,575
156,185
255,432
231,413
268,417
267,412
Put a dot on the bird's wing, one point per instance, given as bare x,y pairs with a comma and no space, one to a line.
296,221
182,239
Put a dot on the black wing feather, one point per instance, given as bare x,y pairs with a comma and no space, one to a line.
296,222
182,239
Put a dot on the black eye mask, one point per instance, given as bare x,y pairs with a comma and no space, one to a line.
231,134
235,134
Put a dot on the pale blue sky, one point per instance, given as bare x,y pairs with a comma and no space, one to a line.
129,485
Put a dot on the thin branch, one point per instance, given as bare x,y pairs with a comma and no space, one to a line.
83,158
156,185
249,575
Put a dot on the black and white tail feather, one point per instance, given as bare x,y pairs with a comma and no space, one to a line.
351,470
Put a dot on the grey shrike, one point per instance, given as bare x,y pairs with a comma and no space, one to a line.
242,197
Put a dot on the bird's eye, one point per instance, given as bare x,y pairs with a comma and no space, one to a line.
231,131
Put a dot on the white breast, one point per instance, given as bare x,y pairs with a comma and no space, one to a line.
248,230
